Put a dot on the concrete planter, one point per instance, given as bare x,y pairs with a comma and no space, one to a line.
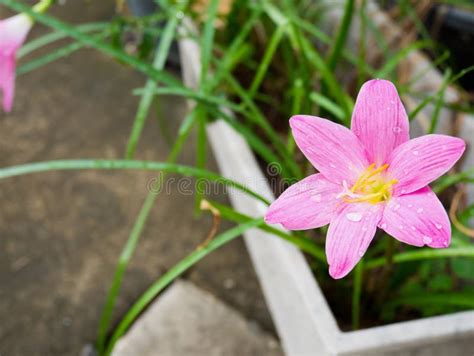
304,322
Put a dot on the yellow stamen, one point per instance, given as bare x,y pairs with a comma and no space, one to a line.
367,197
371,186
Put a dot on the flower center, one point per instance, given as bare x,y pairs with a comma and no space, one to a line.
372,186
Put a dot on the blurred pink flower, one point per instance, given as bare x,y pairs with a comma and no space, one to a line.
13,32
370,176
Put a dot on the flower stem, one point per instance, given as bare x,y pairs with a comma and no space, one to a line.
356,293
42,6
387,269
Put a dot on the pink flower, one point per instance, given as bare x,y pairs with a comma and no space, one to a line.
13,33
370,176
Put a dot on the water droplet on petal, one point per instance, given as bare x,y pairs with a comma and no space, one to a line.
396,129
445,243
396,207
415,153
316,198
356,217
410,205
438,226
419,210
401,227
427,240
383,226
413,228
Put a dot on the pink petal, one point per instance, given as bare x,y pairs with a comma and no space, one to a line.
332,149
349,235
7,80
417,219
421,160
379,120
13,31
305,205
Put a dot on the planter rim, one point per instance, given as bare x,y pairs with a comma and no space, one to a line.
298,307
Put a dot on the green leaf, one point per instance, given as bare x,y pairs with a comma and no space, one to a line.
132,241
330,106
424,254
462,300
463,268
88,40
53,56
158,63
338,44
393,62
305,244
266,59
77,164
49,38
439,101
440,283
448,180
173,273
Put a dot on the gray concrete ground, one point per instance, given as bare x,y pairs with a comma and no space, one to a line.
188,321
61,232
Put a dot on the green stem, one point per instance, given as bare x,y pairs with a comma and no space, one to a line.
356,293
172,274
387,270
42,6
423,254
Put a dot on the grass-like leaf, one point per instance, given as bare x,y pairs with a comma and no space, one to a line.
198,254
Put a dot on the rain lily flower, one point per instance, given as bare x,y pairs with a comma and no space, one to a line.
13,32
370,176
